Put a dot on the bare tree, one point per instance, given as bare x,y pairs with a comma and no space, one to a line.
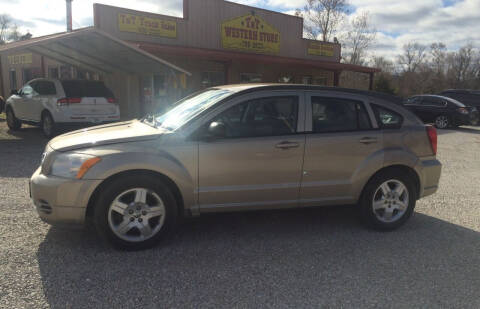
359,38
322,17
413,57
438,52
383,64
5,22
14,34
462,68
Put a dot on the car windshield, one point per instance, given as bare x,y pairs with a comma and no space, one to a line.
190,107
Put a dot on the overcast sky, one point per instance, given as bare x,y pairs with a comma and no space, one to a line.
454,22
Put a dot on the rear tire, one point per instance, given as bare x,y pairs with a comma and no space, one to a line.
442,122
13,123
48,125
388,200
135,212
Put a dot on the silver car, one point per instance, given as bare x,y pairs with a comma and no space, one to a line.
240,147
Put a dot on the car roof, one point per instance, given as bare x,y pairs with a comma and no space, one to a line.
271,86
441,97
467,91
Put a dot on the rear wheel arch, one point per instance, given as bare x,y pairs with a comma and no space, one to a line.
131,173
399,168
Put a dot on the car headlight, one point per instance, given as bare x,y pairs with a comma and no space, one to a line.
72,165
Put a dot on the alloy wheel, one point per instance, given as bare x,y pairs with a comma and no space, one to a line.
441,122
136,215
390,201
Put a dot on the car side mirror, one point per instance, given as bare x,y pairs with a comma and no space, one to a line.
217,129
14,92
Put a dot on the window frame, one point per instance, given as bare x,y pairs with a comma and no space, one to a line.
337,95
194,130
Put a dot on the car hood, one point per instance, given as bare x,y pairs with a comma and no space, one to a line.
113,133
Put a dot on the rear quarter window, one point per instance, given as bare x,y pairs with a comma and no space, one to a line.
81,89
387,118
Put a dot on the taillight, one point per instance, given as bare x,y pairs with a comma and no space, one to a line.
111,100
432,136
462,110
66,101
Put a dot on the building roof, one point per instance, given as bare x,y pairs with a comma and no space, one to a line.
94,50
219,55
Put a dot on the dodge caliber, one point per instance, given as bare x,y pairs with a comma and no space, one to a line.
239,147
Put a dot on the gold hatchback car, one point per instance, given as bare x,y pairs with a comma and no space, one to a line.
240,147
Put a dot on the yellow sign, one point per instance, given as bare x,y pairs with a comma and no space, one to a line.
147,25
250,33
20,59
320,49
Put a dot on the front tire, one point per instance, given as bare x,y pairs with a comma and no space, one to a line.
135,212
48,125
388,200
13,123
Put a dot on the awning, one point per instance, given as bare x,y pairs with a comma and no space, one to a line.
94,50
219,55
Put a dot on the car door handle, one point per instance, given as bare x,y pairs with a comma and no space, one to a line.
368,140
287,145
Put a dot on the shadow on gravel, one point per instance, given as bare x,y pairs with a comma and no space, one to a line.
301,258
472,130
20,151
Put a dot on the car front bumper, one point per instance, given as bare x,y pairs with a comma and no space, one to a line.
61,201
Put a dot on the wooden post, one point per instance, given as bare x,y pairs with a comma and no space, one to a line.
336,78
226,66
42,63
370,86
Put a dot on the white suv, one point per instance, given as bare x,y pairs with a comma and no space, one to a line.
53,103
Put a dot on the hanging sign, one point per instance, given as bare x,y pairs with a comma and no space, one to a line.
250,33
320,49
147,25
20,59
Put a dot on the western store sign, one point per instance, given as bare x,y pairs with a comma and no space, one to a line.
250,33
147,25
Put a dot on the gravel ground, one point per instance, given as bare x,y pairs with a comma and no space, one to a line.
301,258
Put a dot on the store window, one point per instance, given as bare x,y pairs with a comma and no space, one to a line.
13,80
307,80
250,78
321,80
27,75
210,79
286,79
65,72
159,86
53,72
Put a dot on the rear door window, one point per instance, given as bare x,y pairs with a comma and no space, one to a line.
338,115
434,102
82,89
